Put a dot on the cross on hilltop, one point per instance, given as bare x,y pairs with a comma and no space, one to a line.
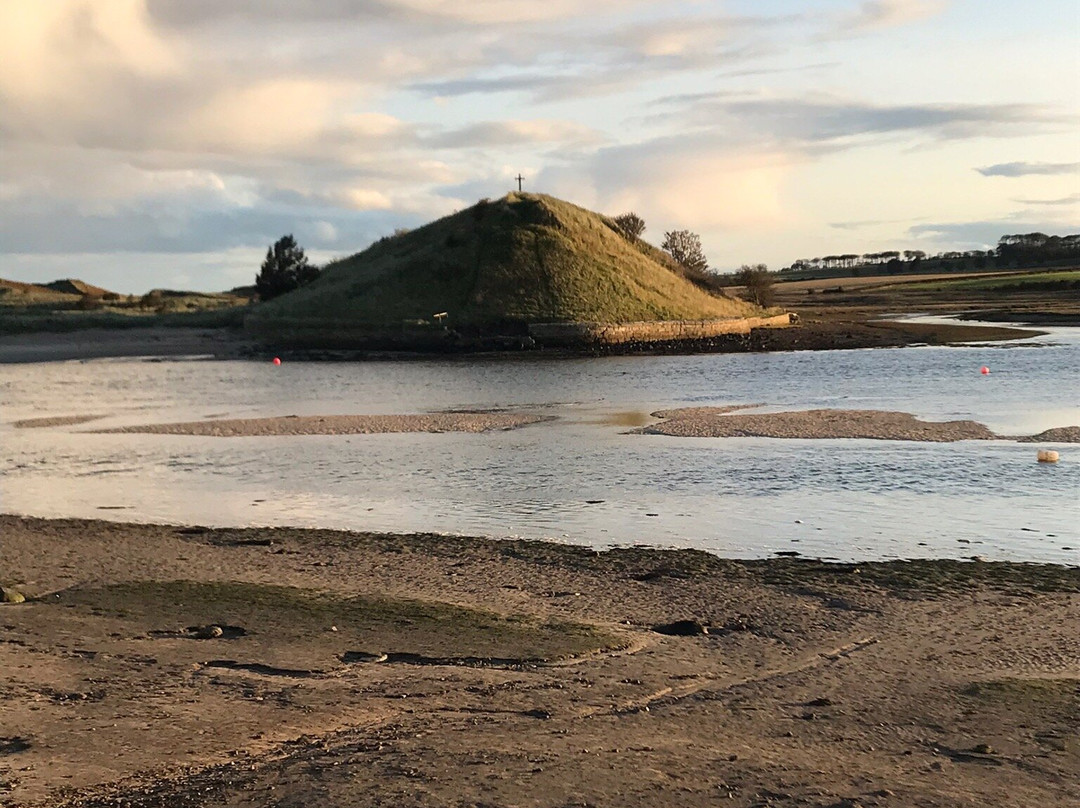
519,179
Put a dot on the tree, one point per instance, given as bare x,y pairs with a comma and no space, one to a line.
284,269
758,283
630,225
685,248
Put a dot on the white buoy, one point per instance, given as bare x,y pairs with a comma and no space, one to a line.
1048,456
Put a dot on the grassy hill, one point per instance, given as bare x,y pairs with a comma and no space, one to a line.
525,258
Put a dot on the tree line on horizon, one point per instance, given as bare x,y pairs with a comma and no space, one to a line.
1022,249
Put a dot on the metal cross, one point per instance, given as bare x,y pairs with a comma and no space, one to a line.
519,178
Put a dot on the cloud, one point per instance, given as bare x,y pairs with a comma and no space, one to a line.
490,134
1065,200
166,227
679,182
544,88
1028,169
984,234
828,121
557,65
874,15
176,126
859,225
203,12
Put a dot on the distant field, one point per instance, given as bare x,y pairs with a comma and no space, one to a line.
908,281
1012,280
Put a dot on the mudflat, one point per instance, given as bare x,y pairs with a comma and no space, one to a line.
156,665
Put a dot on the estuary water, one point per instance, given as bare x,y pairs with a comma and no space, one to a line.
580,477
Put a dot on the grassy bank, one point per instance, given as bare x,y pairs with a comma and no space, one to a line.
33,320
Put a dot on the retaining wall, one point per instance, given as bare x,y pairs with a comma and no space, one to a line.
565,334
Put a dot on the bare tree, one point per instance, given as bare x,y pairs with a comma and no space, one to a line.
685,248
630,225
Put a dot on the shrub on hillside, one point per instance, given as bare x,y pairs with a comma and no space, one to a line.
685,248
688,260
758,284
630,225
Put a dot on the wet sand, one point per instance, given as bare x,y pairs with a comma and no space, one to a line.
721,422
521,673
340,424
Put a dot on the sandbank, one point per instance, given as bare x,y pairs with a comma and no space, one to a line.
722,422
340,424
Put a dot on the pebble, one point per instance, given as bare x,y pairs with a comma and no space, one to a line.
9,595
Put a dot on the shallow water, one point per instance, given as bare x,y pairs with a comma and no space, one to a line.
579,478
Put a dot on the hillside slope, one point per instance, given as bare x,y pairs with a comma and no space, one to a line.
526,258
73,286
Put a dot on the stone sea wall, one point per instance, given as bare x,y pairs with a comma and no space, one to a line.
307,335
571,334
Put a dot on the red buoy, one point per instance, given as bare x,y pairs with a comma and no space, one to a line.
277,361
984,370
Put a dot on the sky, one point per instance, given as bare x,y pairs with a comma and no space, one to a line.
166,143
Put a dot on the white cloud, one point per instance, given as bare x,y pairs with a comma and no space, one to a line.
821,121
487,134
878,14
488,12
682,182
1028,169
365,199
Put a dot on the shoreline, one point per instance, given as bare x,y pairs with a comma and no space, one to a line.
368,669
862,330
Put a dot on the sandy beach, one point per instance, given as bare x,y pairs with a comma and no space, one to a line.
156,665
